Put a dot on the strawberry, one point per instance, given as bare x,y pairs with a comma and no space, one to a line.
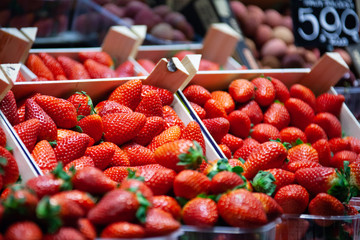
116,205
241,90
9,109
101,154
292,198
20,202
2,138
138,155
21,112
38,67
264,181
60,110
326,205
338,144
169,135
314,132
48,129
160,180
282,177
264,132
82,162
354,143
201,212
133,182
199,110
354,177
217,127
268,155
329,123
120,158
302,152
322,147
167,204
86,228
301,113
65,233
206,65
226,150
147,64
214,109
239,208
281,91
224,181
171,118
165,95
28,132
99,57
303,93
234,143
71,147
271,207
277,115
192,131
225,99
350,210
118,173
126,69
264,91
92,125
20,77
323,180
240,124
23,230
82,103
330,103
249,145
253,110
159,223
197,94
83,199
92,180
97,70
52,64
123,230
107,107
292,228
212,167
120,128
150,105
73,69
44,156
292,134
294,166
190,183
128,94
338,159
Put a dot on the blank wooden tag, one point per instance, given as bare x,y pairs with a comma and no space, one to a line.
14,44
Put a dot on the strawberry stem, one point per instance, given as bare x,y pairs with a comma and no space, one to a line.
264,182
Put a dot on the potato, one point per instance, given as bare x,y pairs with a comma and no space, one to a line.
163,31
284,34
271,62
258,11
250,24
274,47
293,61
239,9
263,34
287,22
310,57
273,18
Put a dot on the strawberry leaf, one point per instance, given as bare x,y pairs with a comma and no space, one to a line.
3,162
182,201
10,149
49,213
144,205
77,128
340,188
53,143
90,102
193,158
58,172
264,182
241,160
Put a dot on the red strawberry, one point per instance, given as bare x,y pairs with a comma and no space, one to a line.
73,69
80,163
71,147
120,158
9,109
169,135
201,212
193,132
239,208
197,94
133,183
314,132
65,233
214,109
98,70
240,124
304,93
329,123
322,146
281,91
206,65
86,228
217,127
302,152
271,207
301,113
292,198
199,110
150,105
167,204
338,159
37,66
159,222
120,128
241,90
123,230
354,175
60,110
226,150
92,180
277,115
20,202
52,64
264,92
282,177
23,230
128,94
225,99
189,183
354,143
338,144
46,184
82,103
138,155
48,129
253,110
327,102
83,199
224,181
20,77
249,145
147,64
44,156
218,165
268,155
28,132
165,95
126,69
21,112
292,228
171,118
100,57
2,138
292,134
92,125
264,132
107,107
234,143
101,154
294,166
118,173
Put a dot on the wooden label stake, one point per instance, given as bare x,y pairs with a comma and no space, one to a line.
8,75
191,62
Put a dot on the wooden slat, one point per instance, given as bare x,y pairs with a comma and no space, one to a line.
14,44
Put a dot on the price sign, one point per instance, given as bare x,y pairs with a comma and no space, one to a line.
321,23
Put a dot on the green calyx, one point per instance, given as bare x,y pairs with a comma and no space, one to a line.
90,102
143,208
264,182
58,172
3,162
132,175
223,165
49,214
340,187
193,158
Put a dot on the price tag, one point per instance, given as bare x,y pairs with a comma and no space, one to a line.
321,23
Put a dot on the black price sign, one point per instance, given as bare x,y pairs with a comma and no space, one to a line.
321,23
